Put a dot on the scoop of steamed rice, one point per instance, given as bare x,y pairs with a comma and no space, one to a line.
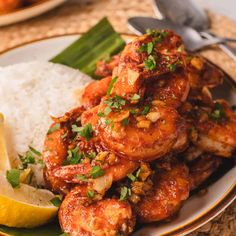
29,94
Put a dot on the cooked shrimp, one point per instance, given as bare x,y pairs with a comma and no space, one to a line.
146,58
104,68
202,73
136,136
217,130
94,92
172,88
202,168
171,189
61,176
80,216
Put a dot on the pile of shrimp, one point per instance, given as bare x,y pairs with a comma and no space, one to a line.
146,135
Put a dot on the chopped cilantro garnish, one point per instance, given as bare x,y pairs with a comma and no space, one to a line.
158,35
64,135
96,172
172,67
13,177
218,113
145,111
132,177
146,47
149,31
135,97
107,111
125,122
133,112
115,102
54,128
150,46
29,157
138,172
110,87
90,194
74,156
56,201
143,48
81,178
92,155
125,193
85,131
101,114
150,63
33,150
108,122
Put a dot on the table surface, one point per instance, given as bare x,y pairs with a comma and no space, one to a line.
77,17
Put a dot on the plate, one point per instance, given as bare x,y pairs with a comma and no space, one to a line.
29,12
197,210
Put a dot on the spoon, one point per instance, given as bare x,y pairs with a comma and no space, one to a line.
192,39
188,13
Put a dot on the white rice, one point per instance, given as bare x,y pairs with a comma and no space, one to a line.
29,94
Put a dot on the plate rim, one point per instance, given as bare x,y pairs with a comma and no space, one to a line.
203,218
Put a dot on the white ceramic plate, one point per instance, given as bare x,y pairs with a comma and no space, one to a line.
198,209
29,12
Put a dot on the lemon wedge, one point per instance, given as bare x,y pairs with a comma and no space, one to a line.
4,160
26,206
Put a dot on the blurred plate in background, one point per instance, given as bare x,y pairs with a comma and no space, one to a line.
29,12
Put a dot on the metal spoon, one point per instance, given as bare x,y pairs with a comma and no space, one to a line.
188,13
192,39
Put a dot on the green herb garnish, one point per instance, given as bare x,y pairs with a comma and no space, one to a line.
13,177
101,114
56,201
125,193
172,67
85,131
65,234
92,155
74,156
64,135
115,102
133,112
33,150
145,111
146,47
107,111
218,113
125,122
150,47
150,63
81,178
138,172
90,194
132,177
29,157
135,97
54,128
96,172
110,87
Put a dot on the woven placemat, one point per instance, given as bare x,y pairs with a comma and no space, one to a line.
76,17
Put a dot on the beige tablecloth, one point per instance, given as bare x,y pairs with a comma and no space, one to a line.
75,17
